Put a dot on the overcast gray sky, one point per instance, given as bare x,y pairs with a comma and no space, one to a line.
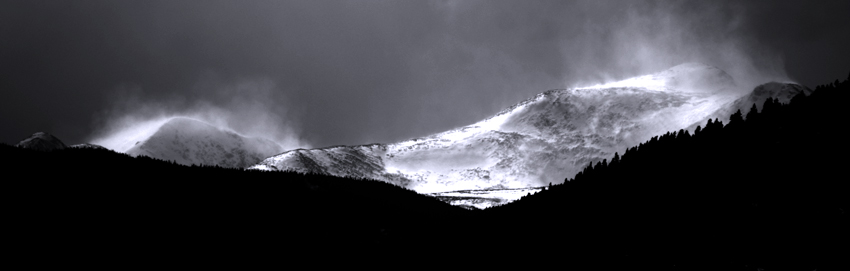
319,73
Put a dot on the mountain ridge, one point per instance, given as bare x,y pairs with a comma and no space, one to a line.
537,141
42,141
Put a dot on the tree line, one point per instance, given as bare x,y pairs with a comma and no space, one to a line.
762,191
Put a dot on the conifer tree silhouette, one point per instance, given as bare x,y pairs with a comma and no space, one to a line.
753,112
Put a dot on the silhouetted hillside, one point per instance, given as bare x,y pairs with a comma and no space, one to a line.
114,205
765,190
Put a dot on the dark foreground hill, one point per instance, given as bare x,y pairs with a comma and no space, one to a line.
84,205
765,191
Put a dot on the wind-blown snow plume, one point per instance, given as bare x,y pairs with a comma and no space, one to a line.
606,41
245,108
654,35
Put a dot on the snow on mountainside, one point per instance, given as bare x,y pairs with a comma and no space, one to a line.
189,141
42,141
87,146
540,140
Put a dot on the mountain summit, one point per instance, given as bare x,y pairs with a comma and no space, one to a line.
42,141
189,141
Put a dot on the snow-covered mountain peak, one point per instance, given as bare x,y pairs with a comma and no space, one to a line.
692,89
191,141
41,141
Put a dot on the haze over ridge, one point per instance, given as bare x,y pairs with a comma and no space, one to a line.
340,73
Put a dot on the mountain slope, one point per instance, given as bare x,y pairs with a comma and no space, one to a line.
781,91
760,193
189,141
540,140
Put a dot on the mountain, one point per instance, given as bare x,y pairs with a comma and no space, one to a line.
538,141
42,141
189,141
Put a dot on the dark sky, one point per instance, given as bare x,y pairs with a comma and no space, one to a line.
319,73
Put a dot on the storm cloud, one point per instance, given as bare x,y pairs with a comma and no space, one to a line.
318,73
